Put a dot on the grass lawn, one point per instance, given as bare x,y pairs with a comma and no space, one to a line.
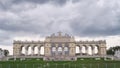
80,63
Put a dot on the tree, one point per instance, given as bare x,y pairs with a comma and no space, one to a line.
6,52
111,50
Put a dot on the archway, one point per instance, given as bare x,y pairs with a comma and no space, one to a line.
54,51
96,50
78,50
22,50
60,50
84,50
35,50
90,49
29,50
66,50
42,50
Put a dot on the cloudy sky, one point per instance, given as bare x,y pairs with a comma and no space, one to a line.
35,19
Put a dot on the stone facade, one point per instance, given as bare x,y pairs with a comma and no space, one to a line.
59,47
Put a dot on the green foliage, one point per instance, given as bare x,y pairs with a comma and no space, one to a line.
111,50
6,52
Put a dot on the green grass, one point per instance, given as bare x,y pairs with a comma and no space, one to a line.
80,63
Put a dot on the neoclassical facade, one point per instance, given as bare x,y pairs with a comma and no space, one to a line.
59,47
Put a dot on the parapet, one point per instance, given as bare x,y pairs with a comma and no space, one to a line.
26,42
92,42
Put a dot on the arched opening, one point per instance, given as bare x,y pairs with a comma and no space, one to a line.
29,50
42,50
89,50
83,49
77,50
59,50
66,50
35,50
22,50
96,50
53,49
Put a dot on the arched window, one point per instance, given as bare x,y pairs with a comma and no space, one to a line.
53,49
66,49
59,49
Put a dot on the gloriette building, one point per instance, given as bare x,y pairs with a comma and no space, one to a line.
59,47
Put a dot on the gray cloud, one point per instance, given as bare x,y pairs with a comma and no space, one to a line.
97,21
32,1
57,2
7,4
43,17
10,4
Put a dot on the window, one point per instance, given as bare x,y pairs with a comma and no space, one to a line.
53,49
59,49
66,49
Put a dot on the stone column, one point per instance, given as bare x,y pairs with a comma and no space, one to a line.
39,49
56,53
32,51
26,51
98,48
93,50
63,49
80,49
86,49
